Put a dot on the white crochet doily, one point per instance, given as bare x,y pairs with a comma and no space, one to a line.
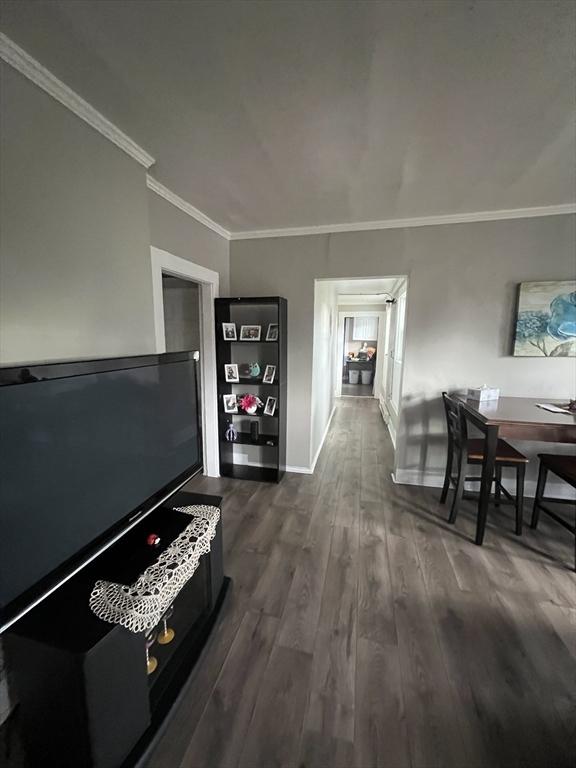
140,606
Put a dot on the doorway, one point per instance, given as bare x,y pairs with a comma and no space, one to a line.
188,323
181,313
360,350
360,368
371,302
182,317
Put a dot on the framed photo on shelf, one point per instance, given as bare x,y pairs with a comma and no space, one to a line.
269,374
230,404
270,406
229,331
250,332
231,373
272,332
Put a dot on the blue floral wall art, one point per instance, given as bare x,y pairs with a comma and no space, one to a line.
546,321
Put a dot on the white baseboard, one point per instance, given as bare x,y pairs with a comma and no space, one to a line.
310,470
436,480
300,470
388,421
416,477
313,467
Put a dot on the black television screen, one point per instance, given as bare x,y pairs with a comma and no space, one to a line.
85,447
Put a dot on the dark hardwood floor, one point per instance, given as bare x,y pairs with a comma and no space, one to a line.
362,630
357,390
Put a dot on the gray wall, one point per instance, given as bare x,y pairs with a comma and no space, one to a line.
462,282
174,231
76,225
75,269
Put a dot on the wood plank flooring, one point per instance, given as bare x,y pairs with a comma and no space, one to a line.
357,390
362,630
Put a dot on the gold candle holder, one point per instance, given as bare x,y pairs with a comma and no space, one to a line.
166,635
151,661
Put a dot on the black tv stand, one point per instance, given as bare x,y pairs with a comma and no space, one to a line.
84,695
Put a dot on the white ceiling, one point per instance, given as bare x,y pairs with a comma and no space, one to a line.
271,115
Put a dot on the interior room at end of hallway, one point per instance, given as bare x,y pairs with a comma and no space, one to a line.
360,348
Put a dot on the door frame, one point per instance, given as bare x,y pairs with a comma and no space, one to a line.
342,314
165,263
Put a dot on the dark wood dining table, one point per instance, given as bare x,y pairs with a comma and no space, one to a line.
514,418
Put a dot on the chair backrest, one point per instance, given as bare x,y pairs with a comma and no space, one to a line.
455,423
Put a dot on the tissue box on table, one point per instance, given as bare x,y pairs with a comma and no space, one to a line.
483,394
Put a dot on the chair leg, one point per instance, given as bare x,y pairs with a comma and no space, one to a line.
520,475
490,443
497,492
459,489
542,474
446,486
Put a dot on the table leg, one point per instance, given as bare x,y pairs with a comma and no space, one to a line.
490,443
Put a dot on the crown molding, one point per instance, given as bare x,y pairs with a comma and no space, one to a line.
189,209
421,221
21,61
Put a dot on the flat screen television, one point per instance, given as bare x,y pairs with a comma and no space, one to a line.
87,449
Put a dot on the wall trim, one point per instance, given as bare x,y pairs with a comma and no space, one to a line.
387,420
436,480
315,459
418,221
21,61
310,470
300,470
184,206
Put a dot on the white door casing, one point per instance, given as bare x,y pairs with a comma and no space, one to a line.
397,354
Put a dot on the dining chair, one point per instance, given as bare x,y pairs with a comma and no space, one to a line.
563,467
464,450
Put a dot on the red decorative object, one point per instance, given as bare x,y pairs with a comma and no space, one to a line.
153,540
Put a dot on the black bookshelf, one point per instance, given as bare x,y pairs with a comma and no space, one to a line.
245,458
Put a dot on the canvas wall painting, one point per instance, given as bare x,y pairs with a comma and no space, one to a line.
546,320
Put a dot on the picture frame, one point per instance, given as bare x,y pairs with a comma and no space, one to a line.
272,332
545,319
269,374
230,403
229,332
250,332
270,407
231,373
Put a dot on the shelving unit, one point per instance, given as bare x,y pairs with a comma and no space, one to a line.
245,458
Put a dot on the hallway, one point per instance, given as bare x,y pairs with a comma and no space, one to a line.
361,630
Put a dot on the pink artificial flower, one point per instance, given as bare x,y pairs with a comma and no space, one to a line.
249,401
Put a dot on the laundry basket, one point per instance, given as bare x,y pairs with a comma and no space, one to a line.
353,377
366,377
